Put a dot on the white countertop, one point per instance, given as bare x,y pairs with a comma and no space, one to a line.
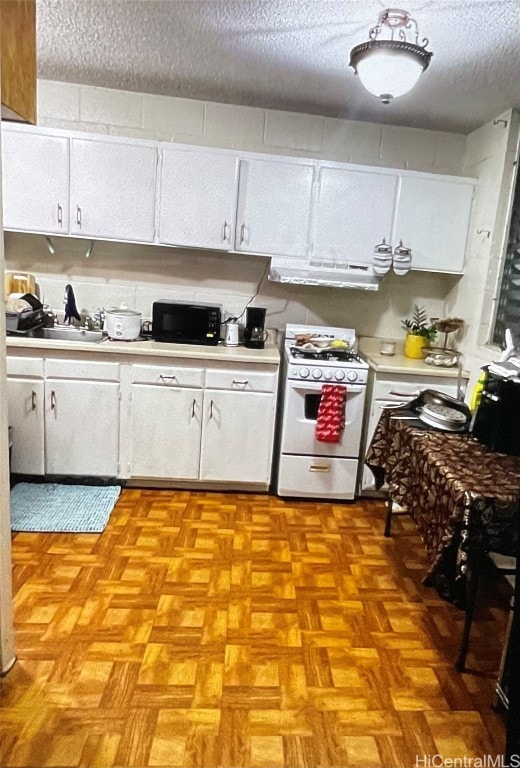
270,355
369,348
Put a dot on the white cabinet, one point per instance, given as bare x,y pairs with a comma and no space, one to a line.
274,204
220,434
238,426
112,189
198,199
390,389
25,389
165,416
433,215
65,416
35,171
353,212
81,418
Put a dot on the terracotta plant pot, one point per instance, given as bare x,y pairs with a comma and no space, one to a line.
413,346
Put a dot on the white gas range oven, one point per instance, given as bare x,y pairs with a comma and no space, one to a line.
308,467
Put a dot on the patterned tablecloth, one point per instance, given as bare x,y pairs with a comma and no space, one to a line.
432,474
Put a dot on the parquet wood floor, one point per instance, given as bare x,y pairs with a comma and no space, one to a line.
206,629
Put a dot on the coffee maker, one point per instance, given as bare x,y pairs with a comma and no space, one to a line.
254,332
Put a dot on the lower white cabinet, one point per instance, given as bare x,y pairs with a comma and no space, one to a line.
25,390
164,408
237,436
65,416
214,425
81,428
390,389
134,421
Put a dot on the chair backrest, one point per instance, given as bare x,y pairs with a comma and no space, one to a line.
490,525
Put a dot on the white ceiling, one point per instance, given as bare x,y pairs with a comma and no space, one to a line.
286,54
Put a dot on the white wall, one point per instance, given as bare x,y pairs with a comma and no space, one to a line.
138,274
491,154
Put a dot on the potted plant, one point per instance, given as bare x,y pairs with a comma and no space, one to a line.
419,332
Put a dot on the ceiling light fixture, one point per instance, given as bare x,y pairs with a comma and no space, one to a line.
389,64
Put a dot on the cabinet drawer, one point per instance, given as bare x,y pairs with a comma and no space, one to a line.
318,476
168,375
247,381
80,369
27,367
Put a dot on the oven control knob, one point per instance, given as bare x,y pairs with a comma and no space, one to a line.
304,372
339,375
328,375
316,374
352,376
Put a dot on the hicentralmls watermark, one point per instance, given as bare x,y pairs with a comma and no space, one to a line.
467,761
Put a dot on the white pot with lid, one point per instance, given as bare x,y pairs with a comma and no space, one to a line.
123,324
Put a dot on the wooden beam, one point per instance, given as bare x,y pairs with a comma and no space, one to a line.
18,45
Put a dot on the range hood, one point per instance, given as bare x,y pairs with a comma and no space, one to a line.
325,273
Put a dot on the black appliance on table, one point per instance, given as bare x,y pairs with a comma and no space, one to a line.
496,422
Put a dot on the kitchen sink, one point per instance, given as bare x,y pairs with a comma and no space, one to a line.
70,334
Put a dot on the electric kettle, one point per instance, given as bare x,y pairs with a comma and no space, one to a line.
231,337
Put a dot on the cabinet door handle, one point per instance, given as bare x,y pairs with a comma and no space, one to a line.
211,409
33,400
60,215
241,382
53,400
243,231
78,216
319,468
193,408
225,232
168,378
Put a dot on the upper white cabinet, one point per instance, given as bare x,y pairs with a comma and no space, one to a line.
198,198
433,215
35,170
108,188
353,212
112,189
274,204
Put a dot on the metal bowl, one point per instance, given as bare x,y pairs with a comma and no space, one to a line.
440,357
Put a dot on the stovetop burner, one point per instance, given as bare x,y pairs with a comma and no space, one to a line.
336,355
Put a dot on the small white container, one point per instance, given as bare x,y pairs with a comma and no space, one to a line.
387,347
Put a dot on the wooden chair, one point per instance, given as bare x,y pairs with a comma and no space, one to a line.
490,530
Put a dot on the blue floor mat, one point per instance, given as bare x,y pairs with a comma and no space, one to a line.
55,508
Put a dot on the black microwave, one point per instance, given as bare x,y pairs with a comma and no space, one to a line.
179,323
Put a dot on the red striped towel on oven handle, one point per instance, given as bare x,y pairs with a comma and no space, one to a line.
331,413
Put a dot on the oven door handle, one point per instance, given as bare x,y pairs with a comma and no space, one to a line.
315,386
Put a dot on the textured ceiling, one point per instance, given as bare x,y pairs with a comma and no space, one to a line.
286,54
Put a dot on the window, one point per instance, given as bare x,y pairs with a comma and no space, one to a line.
508,305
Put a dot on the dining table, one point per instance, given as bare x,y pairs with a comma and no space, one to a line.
463,497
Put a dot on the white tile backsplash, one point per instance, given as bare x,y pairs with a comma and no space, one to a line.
294,130
167,116
408,145
227,125
103,105
58,100
363,142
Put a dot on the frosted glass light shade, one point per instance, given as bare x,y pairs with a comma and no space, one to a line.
386,74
